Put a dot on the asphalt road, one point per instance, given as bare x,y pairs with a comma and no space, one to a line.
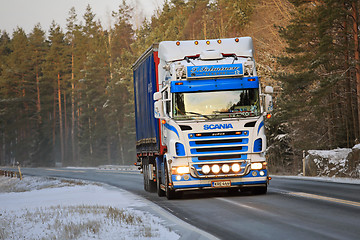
292,208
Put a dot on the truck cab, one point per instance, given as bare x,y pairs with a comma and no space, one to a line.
210,112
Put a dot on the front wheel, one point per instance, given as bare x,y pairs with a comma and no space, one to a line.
159,191
170,194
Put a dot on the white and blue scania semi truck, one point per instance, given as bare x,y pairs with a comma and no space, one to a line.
200,116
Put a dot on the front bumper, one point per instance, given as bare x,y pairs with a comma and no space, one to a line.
187,182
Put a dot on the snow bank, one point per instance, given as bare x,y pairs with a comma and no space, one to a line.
39,208
341,162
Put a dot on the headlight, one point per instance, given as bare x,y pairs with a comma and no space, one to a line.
225,168
256,166
205,169
235,167
215,169
182,170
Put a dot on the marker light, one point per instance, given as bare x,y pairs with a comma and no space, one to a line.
219,41
225,168
163,121
256,166
183,170
236,39
196,42
215,169
179,83
177,43
208,42
205,169
268,116
235,167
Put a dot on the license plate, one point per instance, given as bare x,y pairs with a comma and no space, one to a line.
219,184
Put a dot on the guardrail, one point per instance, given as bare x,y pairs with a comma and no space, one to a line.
120,167
11,174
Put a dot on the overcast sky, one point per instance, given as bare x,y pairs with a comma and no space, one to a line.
27,13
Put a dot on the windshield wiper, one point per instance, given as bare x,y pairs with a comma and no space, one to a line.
199,114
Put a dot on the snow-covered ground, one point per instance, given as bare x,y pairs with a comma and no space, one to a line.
49,208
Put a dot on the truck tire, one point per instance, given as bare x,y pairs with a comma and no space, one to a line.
159,191
149,185
170,194
146,185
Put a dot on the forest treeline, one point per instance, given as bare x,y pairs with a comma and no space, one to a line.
66,95
319,106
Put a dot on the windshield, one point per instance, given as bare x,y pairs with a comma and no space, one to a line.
219,104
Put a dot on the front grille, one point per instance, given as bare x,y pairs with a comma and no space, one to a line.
219,150
210,143
219,141
222,157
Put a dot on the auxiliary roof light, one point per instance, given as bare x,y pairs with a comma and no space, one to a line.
219,41
196,42
208,42
235,167
215,169
205,169
178,43
163,121
236,39
225,168
268,116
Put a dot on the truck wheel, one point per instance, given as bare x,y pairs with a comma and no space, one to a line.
152,186
146,185
170,194
160,192
149,185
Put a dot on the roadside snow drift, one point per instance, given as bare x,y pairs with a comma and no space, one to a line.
39,208
341,162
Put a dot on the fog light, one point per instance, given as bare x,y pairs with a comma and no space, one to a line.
262,173
178,177
205,169
215,169
225,168
235,167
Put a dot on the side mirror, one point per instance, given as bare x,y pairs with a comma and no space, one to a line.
268,103
269,90
159,109
157,96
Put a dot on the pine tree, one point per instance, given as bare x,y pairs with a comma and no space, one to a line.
55,70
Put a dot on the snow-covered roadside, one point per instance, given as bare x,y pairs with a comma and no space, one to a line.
39,208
